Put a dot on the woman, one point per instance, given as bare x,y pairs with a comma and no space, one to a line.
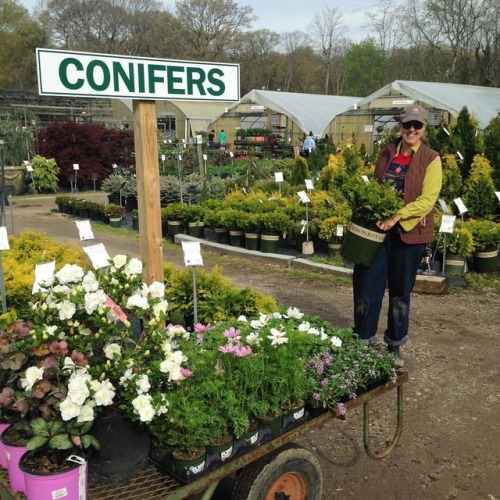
417,173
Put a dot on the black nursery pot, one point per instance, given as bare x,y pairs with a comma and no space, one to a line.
124,448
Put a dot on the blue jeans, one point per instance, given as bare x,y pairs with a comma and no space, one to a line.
396,264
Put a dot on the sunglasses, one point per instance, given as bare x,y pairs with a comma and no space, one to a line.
416,125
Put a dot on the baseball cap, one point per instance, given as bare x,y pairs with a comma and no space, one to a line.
414,112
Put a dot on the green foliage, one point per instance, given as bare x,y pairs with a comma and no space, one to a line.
365,65
26,251
491,149
300,171
372,200
275,222
485,233
113,211
479,191
459,243
253,132
218,298
18,143
114,183
44,177
452,179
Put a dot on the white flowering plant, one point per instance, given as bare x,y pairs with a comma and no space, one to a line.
189,387
73,358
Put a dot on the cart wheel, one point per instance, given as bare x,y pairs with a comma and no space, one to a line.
289,473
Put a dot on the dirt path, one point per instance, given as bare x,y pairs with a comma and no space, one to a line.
451,440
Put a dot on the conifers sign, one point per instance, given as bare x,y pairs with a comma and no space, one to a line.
63,73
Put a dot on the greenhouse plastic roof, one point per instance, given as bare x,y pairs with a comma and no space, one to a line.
311,112
481,102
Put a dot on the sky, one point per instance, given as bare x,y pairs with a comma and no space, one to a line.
291,15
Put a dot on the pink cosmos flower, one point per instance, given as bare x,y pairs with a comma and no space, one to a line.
202,328
226,349
187,373
199,338
242,351
232,333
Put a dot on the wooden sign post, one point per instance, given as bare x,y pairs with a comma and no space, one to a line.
148,189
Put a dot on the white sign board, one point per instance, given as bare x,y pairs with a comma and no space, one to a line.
4,239
84,230
447,224
44,273
192,253
62,73
98,256
278,176
309,183
460,205
303,197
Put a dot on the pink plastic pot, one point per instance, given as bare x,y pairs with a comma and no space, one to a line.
16,476
3,458
70,484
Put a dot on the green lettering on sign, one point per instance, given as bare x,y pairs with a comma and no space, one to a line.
63,73
195,77
106,77
219,84
171,79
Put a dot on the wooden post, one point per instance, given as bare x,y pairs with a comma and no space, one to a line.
148,190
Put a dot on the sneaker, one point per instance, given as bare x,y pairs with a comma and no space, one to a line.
399,361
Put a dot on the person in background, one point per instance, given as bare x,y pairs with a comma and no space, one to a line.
309,145
211,138
417,173
222,139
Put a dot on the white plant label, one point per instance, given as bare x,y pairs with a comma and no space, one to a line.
309,184
192,253
303,197
447,224
4,239
278,176
85,230
44,273
443,205
98,256
460,205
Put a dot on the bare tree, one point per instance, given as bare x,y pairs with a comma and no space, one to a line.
210,26
386,23
326,31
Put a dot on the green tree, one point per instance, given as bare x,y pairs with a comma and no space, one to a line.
19,36
491,148
300,171
479,191
452,180
365,66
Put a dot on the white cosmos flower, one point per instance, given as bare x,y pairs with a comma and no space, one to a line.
86,414
133,267
66,310
157,290
119,261
69,409
336,341
259,323
70,273
304,326
313,331
242,318
113,351
253,339
33,375
90,282
293,312
277,315
278,337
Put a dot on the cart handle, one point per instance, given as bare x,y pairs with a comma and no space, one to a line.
399,429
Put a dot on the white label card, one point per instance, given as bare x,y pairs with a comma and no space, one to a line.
192,253
29,168
4,239
340,230
98,256
76,166
443,205
309,184
303,197
205,157
85,230
278,176
365,178
162,157
498,195
460,205
44,273
447,224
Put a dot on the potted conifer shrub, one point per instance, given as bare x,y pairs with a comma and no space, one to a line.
486,237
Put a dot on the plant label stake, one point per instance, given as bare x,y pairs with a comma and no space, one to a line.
278,177
29,169
76,167
447,223
307,247
179,171
85,232
193,258
4,245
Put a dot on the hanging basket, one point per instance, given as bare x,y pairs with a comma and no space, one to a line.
361,241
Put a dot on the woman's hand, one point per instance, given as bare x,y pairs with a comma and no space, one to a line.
385,225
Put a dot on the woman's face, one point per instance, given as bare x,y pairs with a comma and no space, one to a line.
413,134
